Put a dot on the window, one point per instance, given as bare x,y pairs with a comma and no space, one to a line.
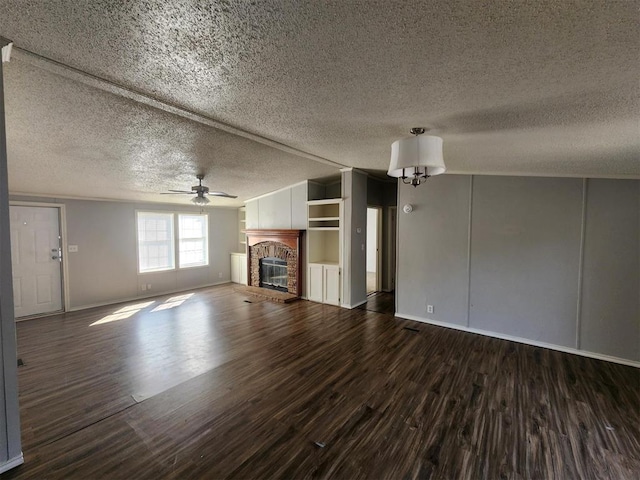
155,242
193,240
158,237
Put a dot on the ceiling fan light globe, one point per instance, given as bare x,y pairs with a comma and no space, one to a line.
200,201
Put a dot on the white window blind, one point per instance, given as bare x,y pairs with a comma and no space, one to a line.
155,242
193,240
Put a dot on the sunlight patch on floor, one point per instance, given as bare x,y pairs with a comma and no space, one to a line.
172,302
122,313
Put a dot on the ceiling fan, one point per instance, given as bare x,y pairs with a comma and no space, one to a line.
200,191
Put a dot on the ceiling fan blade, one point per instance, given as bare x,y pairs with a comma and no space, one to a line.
222,194
176,191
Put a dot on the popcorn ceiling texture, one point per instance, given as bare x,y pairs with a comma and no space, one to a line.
545,88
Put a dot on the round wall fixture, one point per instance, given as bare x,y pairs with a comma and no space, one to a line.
408,208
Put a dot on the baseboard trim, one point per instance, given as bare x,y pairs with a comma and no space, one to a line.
142,297
14,462
551,346
349,306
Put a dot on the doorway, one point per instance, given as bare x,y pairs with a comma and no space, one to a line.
36,259
374,240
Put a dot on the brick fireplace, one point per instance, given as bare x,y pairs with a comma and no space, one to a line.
275,244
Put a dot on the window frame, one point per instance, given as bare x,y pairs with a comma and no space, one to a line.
206,240
175,240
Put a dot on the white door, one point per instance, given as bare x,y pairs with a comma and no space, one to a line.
35,258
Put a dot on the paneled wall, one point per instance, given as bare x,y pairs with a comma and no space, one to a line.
286,209
548,261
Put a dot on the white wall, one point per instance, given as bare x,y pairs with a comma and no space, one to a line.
548,261
372,239
104,270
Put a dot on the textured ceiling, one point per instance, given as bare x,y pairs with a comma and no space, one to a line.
534,88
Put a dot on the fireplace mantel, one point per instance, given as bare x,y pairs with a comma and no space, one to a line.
290,238
258,241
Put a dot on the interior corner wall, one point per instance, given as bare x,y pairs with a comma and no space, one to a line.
316,191
104,269
354,278
547,261
333,190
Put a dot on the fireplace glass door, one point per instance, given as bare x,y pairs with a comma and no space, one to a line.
273,273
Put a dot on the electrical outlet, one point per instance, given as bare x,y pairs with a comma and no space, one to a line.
429,308
148,286
219,274
143,287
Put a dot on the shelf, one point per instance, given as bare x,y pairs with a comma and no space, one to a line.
324,262
323,219
324,210
325,229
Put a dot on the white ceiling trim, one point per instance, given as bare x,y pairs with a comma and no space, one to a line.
20,197
78,75
545,175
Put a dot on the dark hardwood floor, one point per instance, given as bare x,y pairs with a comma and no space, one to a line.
210,386
381,302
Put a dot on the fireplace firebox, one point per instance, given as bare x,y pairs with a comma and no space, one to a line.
283,246
273,273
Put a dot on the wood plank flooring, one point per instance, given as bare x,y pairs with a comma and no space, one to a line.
212,386
381,302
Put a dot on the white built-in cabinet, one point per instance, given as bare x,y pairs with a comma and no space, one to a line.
239,268
242,225
239,258
324,237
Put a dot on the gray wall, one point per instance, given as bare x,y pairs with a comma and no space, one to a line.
433,249
354,278
104,270
611,284
540,259
10,446
525,250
